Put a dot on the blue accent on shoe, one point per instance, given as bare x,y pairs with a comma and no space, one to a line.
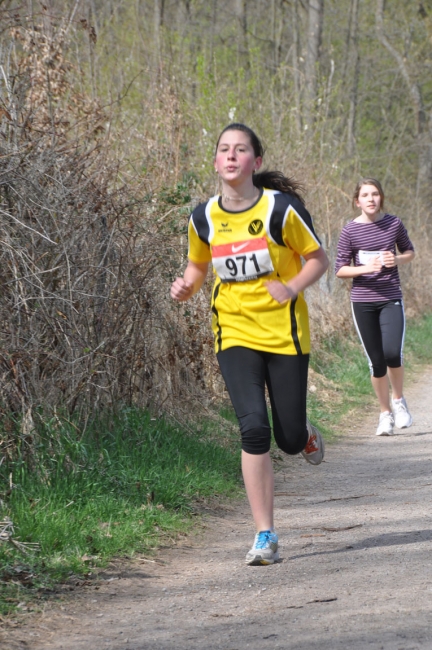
264,549
264,538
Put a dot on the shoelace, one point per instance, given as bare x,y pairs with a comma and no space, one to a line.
263,539
399,407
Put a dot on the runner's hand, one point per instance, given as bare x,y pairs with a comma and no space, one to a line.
181,290
280,291
374,266
388,259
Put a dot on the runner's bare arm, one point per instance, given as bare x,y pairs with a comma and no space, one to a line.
389,259
315,266
374,266
193,278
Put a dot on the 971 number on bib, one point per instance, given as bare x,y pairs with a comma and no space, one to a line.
242,261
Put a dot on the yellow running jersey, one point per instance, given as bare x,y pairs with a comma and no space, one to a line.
247,249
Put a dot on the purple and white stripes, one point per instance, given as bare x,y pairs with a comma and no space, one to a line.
358,241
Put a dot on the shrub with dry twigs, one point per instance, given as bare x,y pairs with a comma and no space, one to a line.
85,319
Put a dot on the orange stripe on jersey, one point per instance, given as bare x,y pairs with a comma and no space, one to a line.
246,246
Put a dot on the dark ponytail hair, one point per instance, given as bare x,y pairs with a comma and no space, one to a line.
272,180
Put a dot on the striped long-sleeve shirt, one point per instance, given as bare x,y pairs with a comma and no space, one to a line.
358,242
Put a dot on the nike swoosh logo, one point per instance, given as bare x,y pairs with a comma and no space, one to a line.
236,249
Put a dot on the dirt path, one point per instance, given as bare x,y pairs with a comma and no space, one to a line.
356,569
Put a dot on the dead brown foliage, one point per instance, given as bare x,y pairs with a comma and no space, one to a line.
93,216
86,258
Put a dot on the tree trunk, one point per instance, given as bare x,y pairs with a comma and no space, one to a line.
353,66
295,64
315,23
423,126
243,47
158,22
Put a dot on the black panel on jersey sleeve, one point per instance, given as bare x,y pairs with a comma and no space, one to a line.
199,219
282,203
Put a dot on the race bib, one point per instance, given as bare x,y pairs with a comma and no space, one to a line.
242,260
366,256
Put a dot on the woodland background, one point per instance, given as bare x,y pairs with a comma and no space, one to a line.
109,113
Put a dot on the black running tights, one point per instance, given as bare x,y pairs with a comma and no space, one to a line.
381,328
246,373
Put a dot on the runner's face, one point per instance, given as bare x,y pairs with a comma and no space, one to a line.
235,158
369,200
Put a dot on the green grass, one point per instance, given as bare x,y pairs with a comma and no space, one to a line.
418,342
344,383
134,483
115,493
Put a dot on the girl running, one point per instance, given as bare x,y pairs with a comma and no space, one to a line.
377,243
254,234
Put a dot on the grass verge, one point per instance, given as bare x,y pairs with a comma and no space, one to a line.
127,488
134,483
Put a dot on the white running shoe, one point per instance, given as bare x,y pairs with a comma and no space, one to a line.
402,416
264,549
386,424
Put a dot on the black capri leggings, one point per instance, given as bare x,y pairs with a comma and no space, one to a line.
246,373
381,328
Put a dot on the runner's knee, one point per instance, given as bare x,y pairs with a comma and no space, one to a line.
378,365
393,357
379,370
292,442
256,441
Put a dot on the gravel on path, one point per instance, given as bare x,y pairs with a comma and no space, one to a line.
355,570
